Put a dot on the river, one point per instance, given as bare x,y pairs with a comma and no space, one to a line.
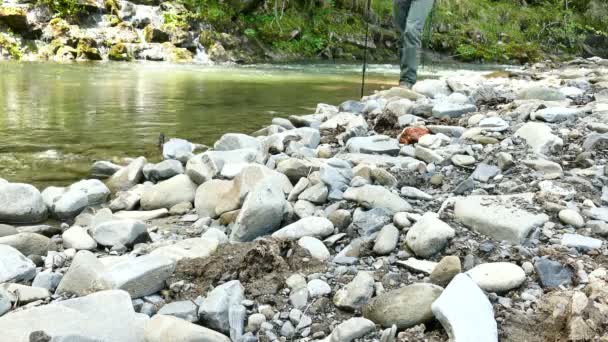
56,119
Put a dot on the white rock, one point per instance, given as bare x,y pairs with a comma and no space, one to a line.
189,248
21,203
163,328
14,266
308,226
580,241
351,329
497,277
140,276
386,240
318,288
465,312
411,192
315,247
356,293
77,237
121,231
375,196
416,265
168,193
429,235
571,217
539,137
215,308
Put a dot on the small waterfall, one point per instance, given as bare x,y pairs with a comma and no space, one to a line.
201,56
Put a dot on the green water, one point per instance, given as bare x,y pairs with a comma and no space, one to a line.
56,119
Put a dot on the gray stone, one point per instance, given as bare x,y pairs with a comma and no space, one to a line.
465,312
308,226
375,196
235,141
336,174
302,184
452,110
262,212
139,276
428,155
141,215
315,247
125,232
163,170
178,149
21,203
295,168
47,280
499,217
387,240
432,88
504,160
103,316
581,242
404,307
191,248
77,237
127,200
201,168
593,139
6,230
66,203
103,169
377,144
5,302
411,192
497,277
304,209
185,310
164,328
215,309
555,114
539,137
128,176
494,124
571,217
168,193
552,274
315,194
14,266
484,172
28,243
549,169
538,92
429,235
318,288
351,329
84,276
356,293
255,321
462,160
418,266
25,294
209,195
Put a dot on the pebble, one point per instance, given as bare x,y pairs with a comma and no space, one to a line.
571,217
497,277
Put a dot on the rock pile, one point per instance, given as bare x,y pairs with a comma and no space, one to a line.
470,208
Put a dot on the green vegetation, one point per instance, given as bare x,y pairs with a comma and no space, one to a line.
9,44
64,8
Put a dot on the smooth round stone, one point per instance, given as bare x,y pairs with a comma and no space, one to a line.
571,217
318,288
463,160
445,270
497,276
400,220
315,247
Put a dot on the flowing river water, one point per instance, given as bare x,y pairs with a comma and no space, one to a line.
56,119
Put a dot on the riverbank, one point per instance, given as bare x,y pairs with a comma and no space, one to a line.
389,218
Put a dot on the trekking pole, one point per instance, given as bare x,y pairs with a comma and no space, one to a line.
369,5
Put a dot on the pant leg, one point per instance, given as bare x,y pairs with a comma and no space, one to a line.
412,38
401,9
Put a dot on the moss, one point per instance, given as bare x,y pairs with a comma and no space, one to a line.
119,52
10,45
178,55
111,6
114,20
86,49
207,38
9,11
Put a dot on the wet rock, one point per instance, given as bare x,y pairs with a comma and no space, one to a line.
404,307
14,266
447,268
429,235
309,226
168,193
168,328
499,217
552,274
127,177
465,312
374,196
497,277
21,203
357,293
104,169
163,170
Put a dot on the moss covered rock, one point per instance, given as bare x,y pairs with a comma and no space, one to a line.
155,35
65,54
176,55
14,17
120,52
9,47
87,50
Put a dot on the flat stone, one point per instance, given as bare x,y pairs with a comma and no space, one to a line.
162,328
377,144
309,226
141,215
462,160
494,124
375,196
404,307
356,293
25,294
119,231
452,110
5,302
483,172
428,155
128,176
584,243
14,266
84,276
465,312
541,93
188,249
184,309
140,276
552,274
316,194
178,149
370,221
497,277
555,114
411,192
416,265
429,236
499,217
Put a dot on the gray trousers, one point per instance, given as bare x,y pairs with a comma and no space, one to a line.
409,19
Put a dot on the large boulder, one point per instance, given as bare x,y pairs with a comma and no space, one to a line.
84,276
178,149
163,170
103,316
163,328
141,276
128,176
28,243
205,166
78,238
66,203
168,193
21,203
499,217
209,195
14,266
262,212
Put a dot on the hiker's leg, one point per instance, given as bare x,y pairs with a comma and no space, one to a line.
419,11
400,14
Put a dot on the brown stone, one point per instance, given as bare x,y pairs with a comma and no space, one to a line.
411,135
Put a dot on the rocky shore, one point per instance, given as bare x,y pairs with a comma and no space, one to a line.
471,208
